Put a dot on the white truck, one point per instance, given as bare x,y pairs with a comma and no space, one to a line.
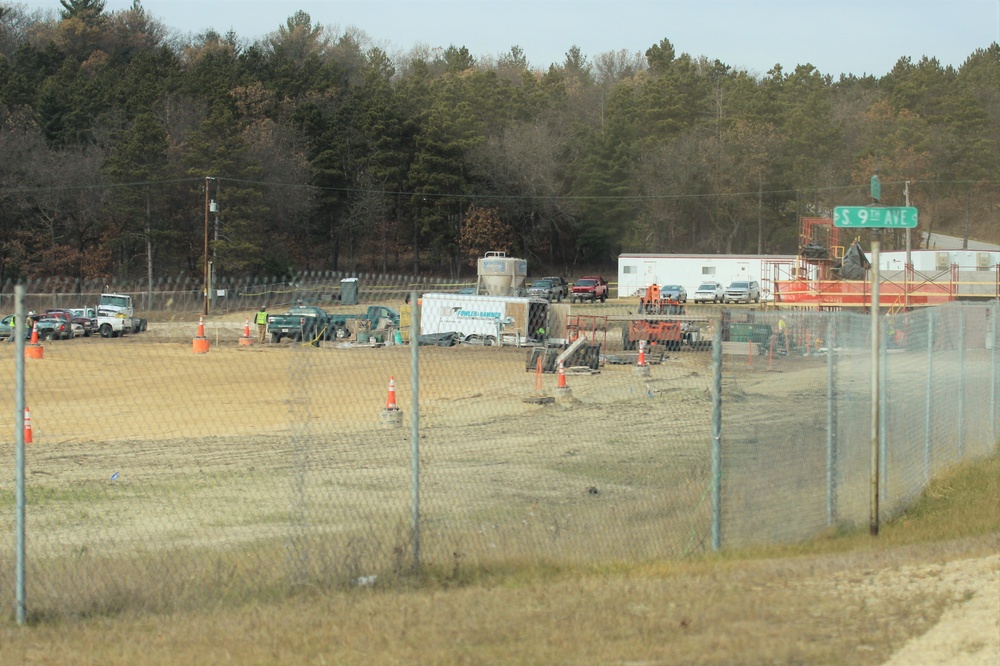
116,316
483,319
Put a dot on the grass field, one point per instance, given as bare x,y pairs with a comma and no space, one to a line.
840,599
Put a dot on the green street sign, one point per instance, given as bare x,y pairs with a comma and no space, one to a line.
872,217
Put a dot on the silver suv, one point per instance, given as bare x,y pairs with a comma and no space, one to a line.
743,291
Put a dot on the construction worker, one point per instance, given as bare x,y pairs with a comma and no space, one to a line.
29,321
261,320
782,336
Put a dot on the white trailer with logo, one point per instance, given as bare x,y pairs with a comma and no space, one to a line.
489,320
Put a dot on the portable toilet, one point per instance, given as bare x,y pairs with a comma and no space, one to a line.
349,291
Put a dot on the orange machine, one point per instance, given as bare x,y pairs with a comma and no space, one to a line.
655,326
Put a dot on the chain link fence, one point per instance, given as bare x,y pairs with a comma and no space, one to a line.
797,439
161,479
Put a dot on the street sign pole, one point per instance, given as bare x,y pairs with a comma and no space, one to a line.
876,343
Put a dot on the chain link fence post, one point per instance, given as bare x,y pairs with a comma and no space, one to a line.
929,398
831,421
717,438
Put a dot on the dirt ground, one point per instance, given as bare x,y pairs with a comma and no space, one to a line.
146,410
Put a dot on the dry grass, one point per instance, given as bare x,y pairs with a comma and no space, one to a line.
813,603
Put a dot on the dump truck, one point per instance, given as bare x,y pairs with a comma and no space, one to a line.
486,320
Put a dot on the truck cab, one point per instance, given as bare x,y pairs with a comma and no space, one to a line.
118,311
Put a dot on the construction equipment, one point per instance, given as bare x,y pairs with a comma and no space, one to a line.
654,324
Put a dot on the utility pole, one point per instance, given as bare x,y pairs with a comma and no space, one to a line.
207,180
908,269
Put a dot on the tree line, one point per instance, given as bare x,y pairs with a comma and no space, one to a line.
125,146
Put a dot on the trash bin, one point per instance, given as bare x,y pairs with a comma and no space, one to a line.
349,291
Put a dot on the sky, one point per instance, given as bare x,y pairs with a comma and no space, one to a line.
836,36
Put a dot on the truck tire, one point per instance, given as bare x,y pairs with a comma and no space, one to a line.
604,297
106,331
276,338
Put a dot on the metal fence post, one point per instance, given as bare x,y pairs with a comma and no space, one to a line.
831,422
873,517
415,426
20,331
717,438
883,406
928,401
993,371
961,383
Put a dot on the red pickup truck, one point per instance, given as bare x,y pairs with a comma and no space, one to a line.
589,288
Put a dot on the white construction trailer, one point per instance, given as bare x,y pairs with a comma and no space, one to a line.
637,271
504,320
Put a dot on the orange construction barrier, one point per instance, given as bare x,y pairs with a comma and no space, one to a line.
562,377
27,426
390,401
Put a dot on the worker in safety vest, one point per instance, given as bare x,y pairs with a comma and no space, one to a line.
261,320
29,321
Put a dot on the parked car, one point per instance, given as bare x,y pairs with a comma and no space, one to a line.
674,292
561,283
589,288
709,291
54,326
747,291
546,289
7,325
87,324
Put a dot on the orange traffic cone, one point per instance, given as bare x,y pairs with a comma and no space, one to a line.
33,349
641,369
246,340
390,401
27,426
562,377
200,343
